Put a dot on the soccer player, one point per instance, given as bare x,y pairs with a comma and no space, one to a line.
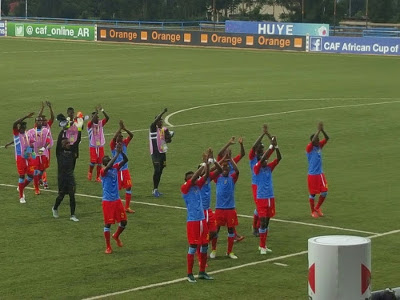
225,211
316,178
265,192
47,124
226,151
205,193
113,210
41,142
96,141
66,156
23,155
255,154
159,136
124,177
196,226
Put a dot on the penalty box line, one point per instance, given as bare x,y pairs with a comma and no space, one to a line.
160,284
239,215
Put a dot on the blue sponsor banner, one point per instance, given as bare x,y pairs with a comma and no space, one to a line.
276,28
355,45
2,28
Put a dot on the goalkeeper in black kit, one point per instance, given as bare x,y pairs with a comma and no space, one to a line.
66,155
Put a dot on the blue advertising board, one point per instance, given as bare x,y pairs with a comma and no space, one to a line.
2,28
355,45
276,28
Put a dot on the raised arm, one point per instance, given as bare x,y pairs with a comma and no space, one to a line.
316,134
41,109
258,141
242,152
158,118
51,111
321,127
268,152
124,159
112,161
59,139
122,126
15,124
116,134
230,142
274,143
196,174
234,165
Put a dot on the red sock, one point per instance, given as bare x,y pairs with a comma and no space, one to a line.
36,182
128,198
263,239
119,231
203,262
190,261
311,204
107,237
320,201
255,221
98,168
21,189
44,177
230,243
91,169
198,253
26,182
214,243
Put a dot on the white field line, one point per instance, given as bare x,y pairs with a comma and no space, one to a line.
272,114
280,264
150,286
166,120
224,270
184,208
311,224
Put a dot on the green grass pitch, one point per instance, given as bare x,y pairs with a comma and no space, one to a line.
236,91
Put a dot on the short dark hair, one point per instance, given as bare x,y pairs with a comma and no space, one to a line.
70,108
188,173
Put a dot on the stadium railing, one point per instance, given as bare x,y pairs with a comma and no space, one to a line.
182,25
382,32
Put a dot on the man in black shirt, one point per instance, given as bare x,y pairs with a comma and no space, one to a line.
66,156
159,136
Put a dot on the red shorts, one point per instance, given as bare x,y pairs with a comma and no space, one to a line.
113,212
266,207
96,155
210,219
226,217
197,232
254,189
41,163
124,179
25,166
317,184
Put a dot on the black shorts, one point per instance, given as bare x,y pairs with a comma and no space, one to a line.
66,184
159,158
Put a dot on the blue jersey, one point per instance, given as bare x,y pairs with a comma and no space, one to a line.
205,194
191,195
265,188
225,187
120,158
253,160
314,156
109,181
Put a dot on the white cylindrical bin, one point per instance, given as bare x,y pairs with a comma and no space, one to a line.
339,268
